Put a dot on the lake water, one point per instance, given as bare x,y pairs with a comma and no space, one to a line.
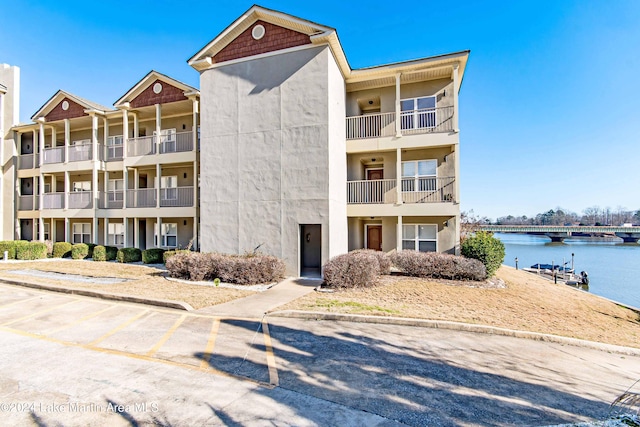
613,268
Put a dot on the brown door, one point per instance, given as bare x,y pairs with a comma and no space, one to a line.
376,194
374,174
374,237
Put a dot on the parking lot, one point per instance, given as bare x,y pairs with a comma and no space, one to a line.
238,347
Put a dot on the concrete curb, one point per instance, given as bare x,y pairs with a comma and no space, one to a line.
456,326
179,305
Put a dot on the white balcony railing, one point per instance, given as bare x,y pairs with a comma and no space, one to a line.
176,197
429,120
28,161
114,149
428,190
80,152
27,203
53,155
414,190
141,198
176,143
81,200
111,200
372,191
371,126
141,146
53,201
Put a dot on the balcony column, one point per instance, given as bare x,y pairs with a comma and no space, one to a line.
398,118
41,140
136,125
67,238
54,137
158,126
105,190
194,128
195,233
125,187
136,231
41,191
159,224
195,183
399,234
158,177
105,233
399,200
94,178
125,232
125,132
67,139
456,174
456,85
105,123
67,188
41,229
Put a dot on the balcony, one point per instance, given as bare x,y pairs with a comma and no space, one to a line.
28,161
111,200
81,200
414,190
172,143
80,152
412,122
169,197
53,201
53,155
28,203
114,152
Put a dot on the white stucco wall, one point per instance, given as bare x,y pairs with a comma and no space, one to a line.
273,154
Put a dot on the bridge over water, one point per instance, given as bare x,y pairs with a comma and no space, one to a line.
557,233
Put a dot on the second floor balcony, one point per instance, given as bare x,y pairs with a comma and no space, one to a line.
409,122
413,190
169,143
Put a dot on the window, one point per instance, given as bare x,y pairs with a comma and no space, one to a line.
114,190
168,187
169,238
114,140
168,140
81,186
81,142
418,113
419,175
420,237
115,233
82,232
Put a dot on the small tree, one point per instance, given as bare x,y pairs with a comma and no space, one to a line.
486,249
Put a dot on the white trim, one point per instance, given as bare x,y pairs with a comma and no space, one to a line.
260,56
366,233
366,172
417,240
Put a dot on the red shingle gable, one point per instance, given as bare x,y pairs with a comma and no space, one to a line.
74,110
168,94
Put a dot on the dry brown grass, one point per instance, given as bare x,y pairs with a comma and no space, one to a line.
527,303
143,281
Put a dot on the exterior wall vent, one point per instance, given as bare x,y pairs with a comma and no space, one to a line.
258,32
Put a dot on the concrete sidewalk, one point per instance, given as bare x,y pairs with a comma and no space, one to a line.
255,306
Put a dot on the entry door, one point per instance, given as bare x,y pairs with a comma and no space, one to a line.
376,194
26,230
374,237
310,247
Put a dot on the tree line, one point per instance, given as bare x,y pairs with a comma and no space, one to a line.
594,215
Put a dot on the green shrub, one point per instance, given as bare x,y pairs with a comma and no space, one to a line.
357,269
99,253
486,249
31,250
79,251
10,247
112,252
62,250
153,256
438,266
129,255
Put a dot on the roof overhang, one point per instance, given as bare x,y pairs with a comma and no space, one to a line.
318,34
3,88
151,77
59,96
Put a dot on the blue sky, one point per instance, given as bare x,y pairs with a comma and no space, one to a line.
550,103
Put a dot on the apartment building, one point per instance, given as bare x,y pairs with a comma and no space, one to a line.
123,176
284,147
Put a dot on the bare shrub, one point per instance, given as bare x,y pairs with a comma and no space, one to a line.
384,262
357,269
438,266
178,265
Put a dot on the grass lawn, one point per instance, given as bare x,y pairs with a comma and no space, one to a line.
526,303
146,282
